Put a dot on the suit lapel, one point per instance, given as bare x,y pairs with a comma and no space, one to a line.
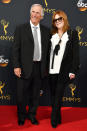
29,32
42,39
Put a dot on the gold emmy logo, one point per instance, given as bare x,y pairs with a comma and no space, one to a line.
46,3
5,25
6,1
5,37
1,86
72,87
47,9
80,31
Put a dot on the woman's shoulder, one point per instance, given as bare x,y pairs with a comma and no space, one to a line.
54,38
54,35
72,31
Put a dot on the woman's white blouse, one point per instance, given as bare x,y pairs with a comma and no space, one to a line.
58,58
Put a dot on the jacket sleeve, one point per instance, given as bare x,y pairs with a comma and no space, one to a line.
75,44
48,53
16,48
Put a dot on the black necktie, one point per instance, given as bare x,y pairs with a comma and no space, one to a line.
57,47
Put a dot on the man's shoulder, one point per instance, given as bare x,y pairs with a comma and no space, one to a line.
22,26
44,27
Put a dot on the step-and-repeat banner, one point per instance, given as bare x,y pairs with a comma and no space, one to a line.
15,12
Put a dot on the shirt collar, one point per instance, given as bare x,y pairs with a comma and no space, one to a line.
55,38
32,25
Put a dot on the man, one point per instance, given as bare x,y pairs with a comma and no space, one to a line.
29,60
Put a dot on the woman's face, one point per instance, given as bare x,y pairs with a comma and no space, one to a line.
58,21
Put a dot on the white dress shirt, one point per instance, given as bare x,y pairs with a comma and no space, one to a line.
39,36
58,58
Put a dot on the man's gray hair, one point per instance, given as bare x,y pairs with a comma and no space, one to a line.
42,11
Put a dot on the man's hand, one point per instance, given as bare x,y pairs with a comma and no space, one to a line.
72,76
17,72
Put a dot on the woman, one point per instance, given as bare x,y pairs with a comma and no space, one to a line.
64,61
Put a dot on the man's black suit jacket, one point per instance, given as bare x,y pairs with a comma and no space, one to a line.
23,49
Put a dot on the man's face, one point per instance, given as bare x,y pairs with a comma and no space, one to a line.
35,15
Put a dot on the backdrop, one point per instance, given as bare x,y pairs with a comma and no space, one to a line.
15,12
